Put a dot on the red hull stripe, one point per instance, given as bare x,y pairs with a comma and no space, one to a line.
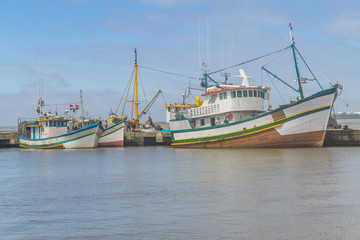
112,144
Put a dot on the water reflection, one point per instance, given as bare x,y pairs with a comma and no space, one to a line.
160,192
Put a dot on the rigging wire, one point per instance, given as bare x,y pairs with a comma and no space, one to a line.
162,94
251,60
142,86
276,88
123,95
347,104
60,104
275,58
175,74
327,80
340,98
189,92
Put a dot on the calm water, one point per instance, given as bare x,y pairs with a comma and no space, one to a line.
165,193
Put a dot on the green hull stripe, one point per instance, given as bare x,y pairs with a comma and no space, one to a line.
112,131
316,95
53,145
247,131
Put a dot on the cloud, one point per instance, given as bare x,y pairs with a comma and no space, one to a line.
97,102
345,25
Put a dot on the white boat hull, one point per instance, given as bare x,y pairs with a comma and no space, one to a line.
113,136
83,138
302,124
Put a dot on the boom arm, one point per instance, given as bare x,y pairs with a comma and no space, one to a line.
149,104
279,79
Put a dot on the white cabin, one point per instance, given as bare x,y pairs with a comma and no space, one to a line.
46,128
222,104
233,104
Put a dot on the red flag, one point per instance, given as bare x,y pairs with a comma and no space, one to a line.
77,107
71,106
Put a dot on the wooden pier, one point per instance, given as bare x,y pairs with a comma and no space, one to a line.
147,138
9,139
342,137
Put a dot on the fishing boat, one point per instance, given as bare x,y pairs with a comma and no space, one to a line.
51,131
113,136
233,116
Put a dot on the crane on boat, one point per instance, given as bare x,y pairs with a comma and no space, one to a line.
133,84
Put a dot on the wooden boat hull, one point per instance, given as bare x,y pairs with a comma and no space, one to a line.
301,124
83,138
113,136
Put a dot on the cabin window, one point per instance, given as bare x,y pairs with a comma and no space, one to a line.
255,93
50,123
262,95
212,121
239,93
225,95
233,94
213,98
221,96
245,93
250,93
46,123
202,122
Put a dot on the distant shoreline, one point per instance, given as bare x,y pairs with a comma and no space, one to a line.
347,117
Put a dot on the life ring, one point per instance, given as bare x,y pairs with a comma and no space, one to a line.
42,128
230,117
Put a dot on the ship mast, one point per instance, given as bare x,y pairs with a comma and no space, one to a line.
82,109
136,91
135,97
301,91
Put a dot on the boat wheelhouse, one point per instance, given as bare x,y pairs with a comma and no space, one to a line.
229,102
46,128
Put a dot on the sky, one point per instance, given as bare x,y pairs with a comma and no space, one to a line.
54,49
